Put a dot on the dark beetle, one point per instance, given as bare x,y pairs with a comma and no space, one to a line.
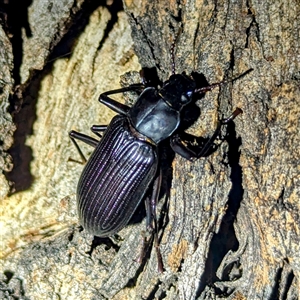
125,162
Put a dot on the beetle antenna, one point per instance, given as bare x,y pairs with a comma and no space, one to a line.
173,50
205,89
173,58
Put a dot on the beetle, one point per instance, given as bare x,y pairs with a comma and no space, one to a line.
126,161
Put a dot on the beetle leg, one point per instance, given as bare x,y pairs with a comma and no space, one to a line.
74,135
115,105
185,150
153,202
182,148
98,128
205,89
151,221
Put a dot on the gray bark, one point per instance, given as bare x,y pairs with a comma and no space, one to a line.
229,223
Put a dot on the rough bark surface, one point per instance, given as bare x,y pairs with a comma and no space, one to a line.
6,124
229,223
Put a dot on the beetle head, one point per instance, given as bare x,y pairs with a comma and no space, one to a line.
178,91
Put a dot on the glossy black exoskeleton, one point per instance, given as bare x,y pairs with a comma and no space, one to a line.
125,162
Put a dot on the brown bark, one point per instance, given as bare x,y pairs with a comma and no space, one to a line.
229,223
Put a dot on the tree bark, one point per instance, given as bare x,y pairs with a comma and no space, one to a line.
229,223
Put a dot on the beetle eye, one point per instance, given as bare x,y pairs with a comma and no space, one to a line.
189,94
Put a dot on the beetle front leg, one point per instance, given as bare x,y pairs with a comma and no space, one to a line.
151,221
115,105
185,149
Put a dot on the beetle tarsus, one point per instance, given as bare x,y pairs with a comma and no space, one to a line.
232,116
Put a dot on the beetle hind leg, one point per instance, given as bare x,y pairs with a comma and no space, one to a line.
151,222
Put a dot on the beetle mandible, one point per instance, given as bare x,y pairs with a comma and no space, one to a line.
125,162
